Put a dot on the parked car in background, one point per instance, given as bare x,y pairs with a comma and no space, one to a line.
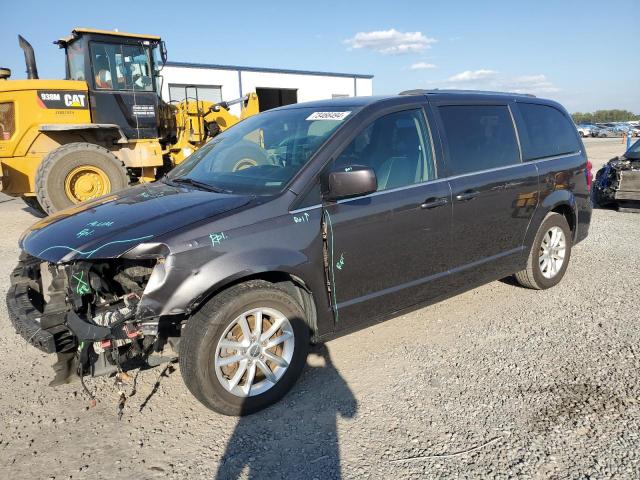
606,131
346,212
586,130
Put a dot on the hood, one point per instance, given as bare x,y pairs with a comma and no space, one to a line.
111,225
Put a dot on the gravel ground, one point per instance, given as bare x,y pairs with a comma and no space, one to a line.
498,382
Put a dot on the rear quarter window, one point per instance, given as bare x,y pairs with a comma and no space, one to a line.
479,137
546,132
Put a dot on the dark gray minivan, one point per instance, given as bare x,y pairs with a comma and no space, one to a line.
301,224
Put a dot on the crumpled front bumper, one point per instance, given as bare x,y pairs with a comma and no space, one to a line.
25,310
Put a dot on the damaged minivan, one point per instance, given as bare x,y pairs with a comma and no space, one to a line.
617,184
298,225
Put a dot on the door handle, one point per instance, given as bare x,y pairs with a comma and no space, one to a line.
467,195
433,203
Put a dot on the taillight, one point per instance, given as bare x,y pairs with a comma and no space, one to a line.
589,174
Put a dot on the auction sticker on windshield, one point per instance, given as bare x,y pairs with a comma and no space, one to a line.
328,115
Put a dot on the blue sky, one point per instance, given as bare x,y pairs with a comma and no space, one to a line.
581,53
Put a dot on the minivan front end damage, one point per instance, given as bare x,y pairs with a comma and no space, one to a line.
618,181
88,313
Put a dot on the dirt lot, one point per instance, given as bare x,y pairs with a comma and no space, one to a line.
498,382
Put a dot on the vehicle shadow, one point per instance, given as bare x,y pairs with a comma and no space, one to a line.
297,437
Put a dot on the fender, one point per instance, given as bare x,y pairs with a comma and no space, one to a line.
113,130
183,282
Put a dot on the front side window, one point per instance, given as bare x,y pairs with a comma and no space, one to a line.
548,132
75,59
479,137
397,147
259,155
121,67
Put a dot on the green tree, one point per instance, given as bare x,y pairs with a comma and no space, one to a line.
599,116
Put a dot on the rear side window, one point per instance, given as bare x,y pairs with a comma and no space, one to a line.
547,132
479,137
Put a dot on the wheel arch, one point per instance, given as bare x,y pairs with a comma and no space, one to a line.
569,214
559,201
49,137
288,281
104,132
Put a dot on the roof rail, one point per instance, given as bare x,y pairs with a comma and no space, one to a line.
422,91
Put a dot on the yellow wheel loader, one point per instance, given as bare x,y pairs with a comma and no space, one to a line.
104,127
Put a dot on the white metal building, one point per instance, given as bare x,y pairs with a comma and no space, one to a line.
274,86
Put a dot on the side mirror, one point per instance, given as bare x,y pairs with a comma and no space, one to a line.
351,182
163,52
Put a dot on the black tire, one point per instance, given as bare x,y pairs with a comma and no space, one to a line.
56,166
532,277
202,332
34,204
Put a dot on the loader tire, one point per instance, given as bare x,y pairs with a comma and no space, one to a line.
34,204
77,172
245,154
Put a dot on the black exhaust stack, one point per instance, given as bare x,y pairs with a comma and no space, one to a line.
29,58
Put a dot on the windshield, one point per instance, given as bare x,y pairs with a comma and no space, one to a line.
259,155
634,151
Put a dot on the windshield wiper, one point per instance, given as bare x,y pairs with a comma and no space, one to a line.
198,184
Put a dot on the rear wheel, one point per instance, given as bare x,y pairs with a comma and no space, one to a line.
244,349
77,172
549,255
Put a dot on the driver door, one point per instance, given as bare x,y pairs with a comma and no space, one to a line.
389,249
122,91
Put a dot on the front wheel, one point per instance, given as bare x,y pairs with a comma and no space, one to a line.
244,349
549,255
77,172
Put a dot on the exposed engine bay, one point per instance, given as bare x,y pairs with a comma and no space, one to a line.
617,182
86,312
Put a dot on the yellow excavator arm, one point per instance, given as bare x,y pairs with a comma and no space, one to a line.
198,121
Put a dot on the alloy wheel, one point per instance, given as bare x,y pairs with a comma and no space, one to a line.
552,252
254,352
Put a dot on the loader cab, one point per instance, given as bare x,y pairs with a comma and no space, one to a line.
122,72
